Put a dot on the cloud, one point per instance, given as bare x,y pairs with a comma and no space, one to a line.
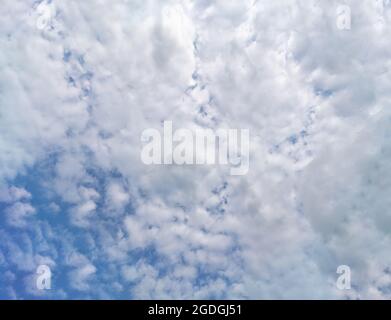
77,93
17,214
12,194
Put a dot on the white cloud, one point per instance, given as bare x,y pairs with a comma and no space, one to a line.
80,276
18,213
80,91
13,194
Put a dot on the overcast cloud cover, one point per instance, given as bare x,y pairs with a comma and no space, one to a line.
77,90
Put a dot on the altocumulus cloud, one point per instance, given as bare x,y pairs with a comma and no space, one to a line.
77,88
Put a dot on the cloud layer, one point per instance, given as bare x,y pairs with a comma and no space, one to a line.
81,80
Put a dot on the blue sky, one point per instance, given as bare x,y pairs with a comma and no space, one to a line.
81,80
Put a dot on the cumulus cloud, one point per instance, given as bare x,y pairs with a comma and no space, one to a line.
82,79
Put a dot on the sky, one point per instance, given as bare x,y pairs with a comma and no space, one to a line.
81,80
